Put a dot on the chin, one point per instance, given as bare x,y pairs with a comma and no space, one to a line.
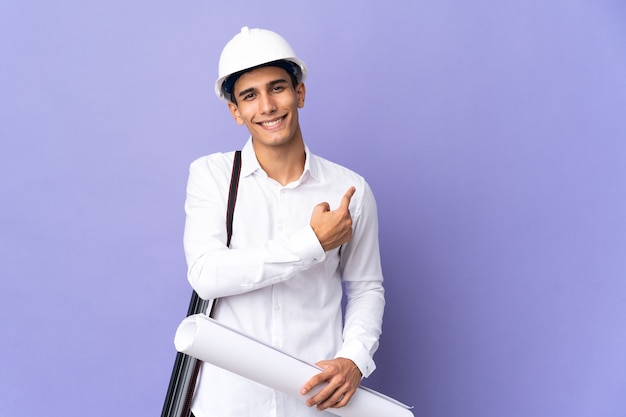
275,140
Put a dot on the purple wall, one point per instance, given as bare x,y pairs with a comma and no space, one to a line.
493,135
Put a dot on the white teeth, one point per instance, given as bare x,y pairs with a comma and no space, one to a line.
272,123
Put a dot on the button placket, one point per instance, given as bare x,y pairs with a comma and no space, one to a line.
280,217
276,302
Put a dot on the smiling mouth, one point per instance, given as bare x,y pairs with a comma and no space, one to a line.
272,123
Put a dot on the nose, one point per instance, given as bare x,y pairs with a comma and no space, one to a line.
266,104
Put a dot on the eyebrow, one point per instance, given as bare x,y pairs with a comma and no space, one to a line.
252,89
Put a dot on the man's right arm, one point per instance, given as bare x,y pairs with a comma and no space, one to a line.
216,271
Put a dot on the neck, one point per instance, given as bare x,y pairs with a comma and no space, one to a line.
283,164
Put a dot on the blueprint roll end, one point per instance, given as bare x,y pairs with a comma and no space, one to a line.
185,334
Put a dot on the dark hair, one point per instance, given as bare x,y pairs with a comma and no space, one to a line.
294,71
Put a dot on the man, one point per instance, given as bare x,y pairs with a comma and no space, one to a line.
281,279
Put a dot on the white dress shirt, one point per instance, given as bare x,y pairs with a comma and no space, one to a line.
276,283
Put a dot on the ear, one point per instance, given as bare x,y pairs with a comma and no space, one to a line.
300,94
234,111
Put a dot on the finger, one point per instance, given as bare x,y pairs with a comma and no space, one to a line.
325,388
334,400
311,383
345,200
344,400
322,207
327,397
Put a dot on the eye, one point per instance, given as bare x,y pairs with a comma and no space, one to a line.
248,96
278,88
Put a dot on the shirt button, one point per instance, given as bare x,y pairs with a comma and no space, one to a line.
280,228
277,307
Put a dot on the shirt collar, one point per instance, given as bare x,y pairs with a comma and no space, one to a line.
250,163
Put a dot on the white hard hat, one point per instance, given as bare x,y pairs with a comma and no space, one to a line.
251,48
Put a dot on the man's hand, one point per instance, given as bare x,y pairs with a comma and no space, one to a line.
333,228
343,378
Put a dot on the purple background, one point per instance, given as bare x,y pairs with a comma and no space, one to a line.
492,133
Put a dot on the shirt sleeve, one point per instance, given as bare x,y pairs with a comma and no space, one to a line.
214,270
362,277
363,323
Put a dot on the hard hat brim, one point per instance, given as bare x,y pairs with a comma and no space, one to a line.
225,96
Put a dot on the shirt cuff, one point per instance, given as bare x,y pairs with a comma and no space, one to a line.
359,355
307,247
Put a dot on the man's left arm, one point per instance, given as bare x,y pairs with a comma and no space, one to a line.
362,276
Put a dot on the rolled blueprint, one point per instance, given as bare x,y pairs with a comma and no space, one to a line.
185,372
212,342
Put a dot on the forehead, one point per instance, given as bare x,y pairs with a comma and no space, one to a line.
260,77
